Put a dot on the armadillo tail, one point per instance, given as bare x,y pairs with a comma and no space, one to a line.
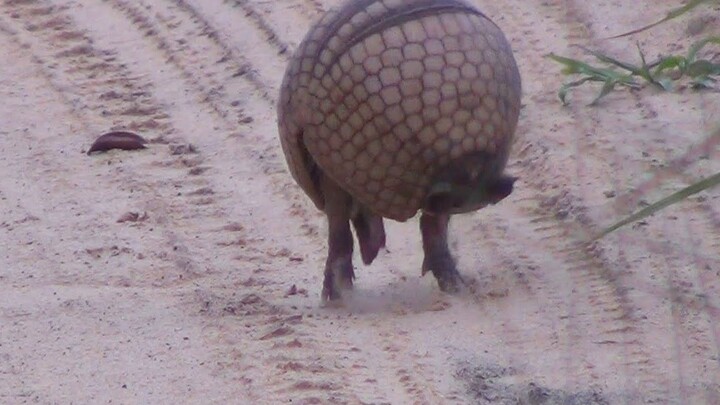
370,233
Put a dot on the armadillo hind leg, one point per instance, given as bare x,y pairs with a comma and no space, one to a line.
370,233
438,260
338,268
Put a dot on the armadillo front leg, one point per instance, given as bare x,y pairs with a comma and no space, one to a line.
434,230
338,268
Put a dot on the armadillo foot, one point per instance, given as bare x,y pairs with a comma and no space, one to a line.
339,276
438,259
338,267
442,266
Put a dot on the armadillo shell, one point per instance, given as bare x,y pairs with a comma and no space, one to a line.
380,95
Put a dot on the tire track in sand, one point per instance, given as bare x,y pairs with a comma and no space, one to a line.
601,317
120,101
683,263
388,328
416,389
595,282
99,92
544,219
284,375
173,216
615,271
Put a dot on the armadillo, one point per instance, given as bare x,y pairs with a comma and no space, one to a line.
389,108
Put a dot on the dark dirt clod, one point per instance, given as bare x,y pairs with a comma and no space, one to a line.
117,140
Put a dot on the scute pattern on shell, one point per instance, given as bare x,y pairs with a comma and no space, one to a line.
380,95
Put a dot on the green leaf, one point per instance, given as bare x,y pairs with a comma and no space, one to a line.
644,69
562,92
607,59
666,83
604,91
671,62
573,66
674,198
703,68
697,46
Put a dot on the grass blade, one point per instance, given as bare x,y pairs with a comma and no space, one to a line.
573,66
670,15
604,91
562,92
671,62
612,61
674,198
644,69
697,46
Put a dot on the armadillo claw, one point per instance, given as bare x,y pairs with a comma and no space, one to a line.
338,277
443,268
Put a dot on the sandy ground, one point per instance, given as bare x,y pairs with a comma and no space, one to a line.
187,301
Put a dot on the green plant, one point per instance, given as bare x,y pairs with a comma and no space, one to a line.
609,77
702,73
663,73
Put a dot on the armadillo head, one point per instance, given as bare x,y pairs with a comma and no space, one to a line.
451,198
469,184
